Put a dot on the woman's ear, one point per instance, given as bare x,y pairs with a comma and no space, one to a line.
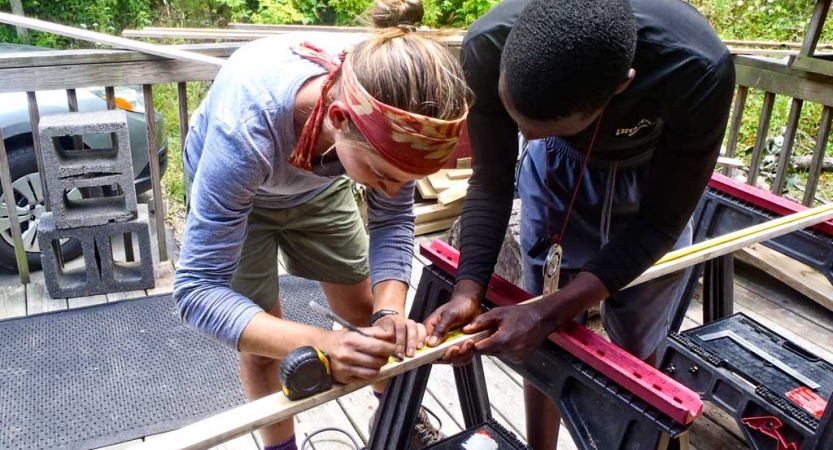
338,116
627,82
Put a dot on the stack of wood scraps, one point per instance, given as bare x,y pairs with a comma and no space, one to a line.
442,196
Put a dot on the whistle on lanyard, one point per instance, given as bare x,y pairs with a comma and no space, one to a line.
552,264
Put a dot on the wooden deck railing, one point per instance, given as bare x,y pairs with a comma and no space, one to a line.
73,69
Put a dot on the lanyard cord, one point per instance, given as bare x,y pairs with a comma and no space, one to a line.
556,239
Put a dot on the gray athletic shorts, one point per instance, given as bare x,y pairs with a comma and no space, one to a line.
636,319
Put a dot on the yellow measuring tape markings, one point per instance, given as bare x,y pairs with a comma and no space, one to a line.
761,227
451,335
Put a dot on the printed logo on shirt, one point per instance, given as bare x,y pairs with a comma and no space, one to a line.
633,131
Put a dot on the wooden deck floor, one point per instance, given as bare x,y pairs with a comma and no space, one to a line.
757,295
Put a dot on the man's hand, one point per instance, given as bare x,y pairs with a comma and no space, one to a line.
354,357
518,329
408,335
463,307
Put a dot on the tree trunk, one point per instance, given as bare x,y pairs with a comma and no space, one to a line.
509,262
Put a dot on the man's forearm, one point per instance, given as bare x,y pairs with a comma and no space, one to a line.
575,298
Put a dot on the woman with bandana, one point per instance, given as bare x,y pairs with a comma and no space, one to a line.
267,153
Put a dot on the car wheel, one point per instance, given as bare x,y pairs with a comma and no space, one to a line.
29,206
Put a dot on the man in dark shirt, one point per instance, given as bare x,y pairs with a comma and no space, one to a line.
640,90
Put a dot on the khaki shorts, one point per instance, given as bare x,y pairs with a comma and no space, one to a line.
323,239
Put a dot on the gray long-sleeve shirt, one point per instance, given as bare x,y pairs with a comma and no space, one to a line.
237,153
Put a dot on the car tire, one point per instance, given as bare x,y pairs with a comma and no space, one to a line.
23,164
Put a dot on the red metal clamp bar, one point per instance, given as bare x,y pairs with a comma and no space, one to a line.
763,199
646,382
770,426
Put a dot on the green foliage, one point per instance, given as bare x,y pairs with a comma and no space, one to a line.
777,20
105,16
165,101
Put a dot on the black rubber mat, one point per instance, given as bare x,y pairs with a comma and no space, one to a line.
90,377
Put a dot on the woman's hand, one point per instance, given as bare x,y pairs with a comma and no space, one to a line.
409,336
354,357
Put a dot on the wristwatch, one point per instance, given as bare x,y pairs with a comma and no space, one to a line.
381,313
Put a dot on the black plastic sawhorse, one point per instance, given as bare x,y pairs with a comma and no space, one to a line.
728,206
598,412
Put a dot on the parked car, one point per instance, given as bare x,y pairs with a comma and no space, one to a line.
26,182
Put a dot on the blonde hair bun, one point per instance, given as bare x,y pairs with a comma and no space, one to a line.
397,13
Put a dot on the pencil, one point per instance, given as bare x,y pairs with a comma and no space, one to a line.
335,318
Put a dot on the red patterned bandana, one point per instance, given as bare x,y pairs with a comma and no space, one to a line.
412,143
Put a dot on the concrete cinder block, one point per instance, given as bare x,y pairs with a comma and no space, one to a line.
61,282
117,276
73,211
69,169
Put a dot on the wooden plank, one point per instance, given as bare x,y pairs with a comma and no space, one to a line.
728,243
463,163
122,446
14,220
100,38
78,302
437,211
737,119
426,191
813,65
785,81
38,299
760,138
815,27
359,407
459,174
448,36
328,415
792,326
795,274
273,408
447,424
515,376
730,163
117,296
505,396
452,195
778,44
707,435
155,174
458,33
12,301
762,51
230,35
786,149
778,293
245,442
79,76
440,181
165,274
182,103
814,172
47,58
436,225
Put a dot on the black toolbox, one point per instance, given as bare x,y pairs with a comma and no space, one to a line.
489,435
778,392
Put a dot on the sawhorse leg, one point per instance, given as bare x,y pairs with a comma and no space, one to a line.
718,288
398,410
